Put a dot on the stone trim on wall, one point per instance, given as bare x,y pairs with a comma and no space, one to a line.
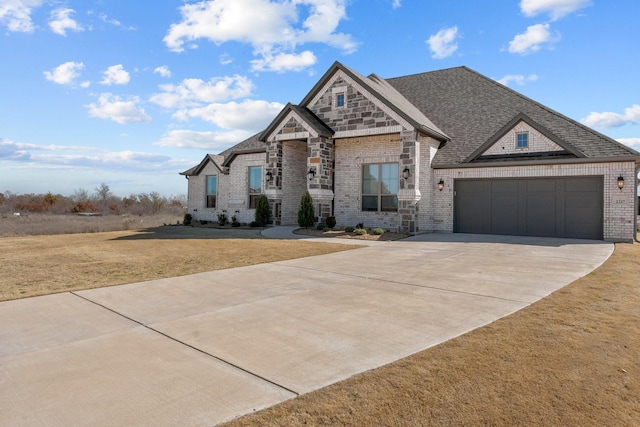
359,88
279,133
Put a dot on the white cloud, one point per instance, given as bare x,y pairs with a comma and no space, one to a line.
194,92
104,18
64,74
630,142
247,115
284,62
116,74
556,9
60,21
225,59
442,44
163,71
272,27
209,141
18,151
16,14
111,107
518,79
608,120
532,40
396,4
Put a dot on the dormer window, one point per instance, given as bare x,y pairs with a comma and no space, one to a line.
522,140
340,100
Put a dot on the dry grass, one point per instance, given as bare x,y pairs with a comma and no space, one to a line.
46,224
571,359
39,265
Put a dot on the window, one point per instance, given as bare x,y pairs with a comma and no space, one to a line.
212,191
523,140
255,185
339,99
380,187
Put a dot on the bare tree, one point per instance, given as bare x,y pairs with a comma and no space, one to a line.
103,192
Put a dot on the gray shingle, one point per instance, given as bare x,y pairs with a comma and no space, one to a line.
470,108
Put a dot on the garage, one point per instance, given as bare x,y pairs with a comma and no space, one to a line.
545,207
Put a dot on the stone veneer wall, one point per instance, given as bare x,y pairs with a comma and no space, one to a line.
294,179
351,154
357,113
618,204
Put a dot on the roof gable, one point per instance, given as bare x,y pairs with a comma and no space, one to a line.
209,158
295,122
372,97
542,143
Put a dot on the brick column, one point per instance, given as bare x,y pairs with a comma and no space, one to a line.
321,158
409,193
273,188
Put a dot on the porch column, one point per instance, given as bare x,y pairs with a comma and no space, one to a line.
409,193
321,159
273,186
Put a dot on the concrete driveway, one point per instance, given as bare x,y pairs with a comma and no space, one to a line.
203,349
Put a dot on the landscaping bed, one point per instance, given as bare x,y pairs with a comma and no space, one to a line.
342,234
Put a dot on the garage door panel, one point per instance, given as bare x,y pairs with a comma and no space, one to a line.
551,207
541,214
541,185
589,185
504,209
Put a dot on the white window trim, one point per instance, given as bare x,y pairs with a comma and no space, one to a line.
528,140
337,91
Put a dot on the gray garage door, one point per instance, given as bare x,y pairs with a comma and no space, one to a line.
547,207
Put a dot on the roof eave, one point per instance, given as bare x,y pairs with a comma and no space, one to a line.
232,157
616,159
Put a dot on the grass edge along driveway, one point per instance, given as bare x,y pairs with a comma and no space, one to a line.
572,358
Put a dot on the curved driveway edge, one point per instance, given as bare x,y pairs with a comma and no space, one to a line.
205,348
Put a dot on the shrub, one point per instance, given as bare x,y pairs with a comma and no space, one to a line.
320,226
360,231
325,229
378,231
85,207
262,211
360,225
222,219
204,222
254,224
349,229
187,219
331,221
306,213
234,221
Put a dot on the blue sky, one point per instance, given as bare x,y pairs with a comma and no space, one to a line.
130,93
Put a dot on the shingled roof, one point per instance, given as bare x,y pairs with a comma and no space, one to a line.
471,108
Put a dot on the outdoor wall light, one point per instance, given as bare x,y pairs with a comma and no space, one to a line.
620,182
441,185
269,176
312,173
406,172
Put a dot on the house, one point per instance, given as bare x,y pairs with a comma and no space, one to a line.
442,151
